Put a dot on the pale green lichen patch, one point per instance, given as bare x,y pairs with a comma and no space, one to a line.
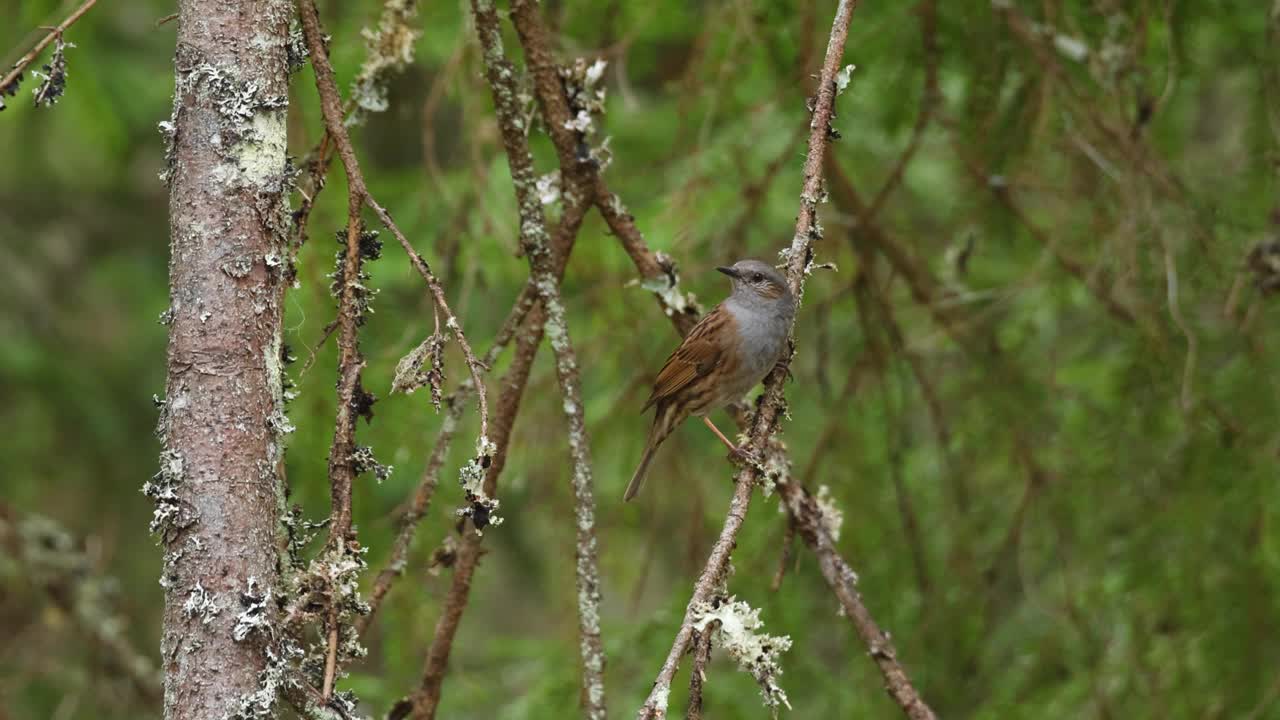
260,153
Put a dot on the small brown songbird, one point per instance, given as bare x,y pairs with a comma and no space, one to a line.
730,350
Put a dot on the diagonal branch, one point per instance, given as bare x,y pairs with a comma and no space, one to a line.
808,516
799,257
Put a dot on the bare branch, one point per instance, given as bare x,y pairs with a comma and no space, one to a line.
535,240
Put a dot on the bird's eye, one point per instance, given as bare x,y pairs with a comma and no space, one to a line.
756,277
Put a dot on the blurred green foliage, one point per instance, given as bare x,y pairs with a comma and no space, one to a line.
1093,536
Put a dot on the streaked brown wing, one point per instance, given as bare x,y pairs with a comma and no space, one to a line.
698,355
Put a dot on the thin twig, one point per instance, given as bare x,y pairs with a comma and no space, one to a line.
342,469
54,33
536,243
799,256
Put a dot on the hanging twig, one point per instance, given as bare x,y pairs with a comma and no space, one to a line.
352,399
698,675
8,84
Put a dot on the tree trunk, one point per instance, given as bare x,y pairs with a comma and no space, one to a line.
219,492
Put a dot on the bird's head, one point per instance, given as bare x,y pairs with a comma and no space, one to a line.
756,278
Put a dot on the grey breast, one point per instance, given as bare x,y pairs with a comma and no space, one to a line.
762,335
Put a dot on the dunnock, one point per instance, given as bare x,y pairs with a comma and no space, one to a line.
722,357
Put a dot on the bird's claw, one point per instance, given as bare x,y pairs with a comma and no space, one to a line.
742,456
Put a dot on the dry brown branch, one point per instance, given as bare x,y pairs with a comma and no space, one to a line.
536,242
353,400
8,84
799,257
809,518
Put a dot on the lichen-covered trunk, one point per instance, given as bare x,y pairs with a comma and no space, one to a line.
219,491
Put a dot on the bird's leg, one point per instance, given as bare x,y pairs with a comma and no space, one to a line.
735,452
716,430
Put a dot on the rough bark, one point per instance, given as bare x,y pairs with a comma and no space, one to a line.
219,490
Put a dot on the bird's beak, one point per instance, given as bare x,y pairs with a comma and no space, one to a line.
728,271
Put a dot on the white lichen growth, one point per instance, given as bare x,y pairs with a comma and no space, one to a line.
580,122
201,604
842,77
363,461
755,652
586,93
777,466
1072,48
667,285
548,187
279,675
171,513
481,508
254,600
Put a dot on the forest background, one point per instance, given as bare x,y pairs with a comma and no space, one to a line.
1039,385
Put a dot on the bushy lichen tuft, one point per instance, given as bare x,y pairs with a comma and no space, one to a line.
388,48
755,652
481,508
